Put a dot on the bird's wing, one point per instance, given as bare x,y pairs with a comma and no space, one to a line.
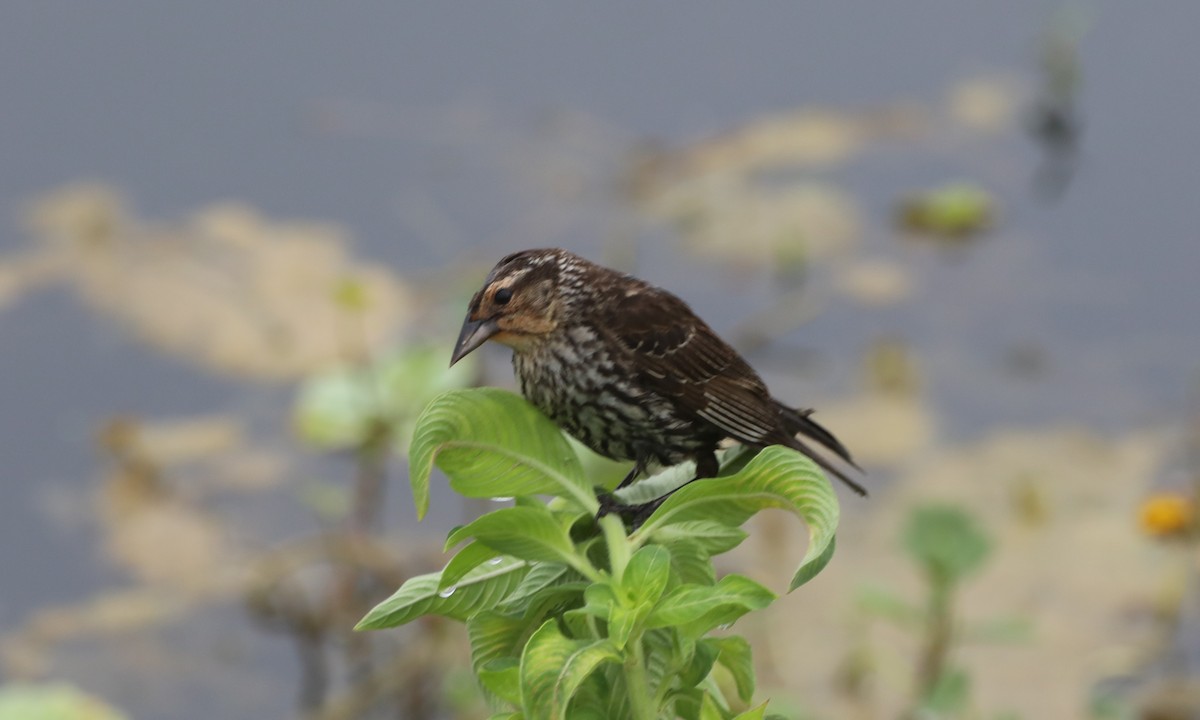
679,357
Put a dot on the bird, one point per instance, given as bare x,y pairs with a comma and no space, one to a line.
629,370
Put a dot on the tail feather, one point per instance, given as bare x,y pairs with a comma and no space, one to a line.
800,422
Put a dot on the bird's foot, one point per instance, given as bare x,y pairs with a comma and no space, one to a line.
632,515
609,505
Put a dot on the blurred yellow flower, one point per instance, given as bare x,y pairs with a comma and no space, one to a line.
1165,514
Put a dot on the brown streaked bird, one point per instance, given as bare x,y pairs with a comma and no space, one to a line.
628,369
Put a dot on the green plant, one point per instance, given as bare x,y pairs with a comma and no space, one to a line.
364,411
947,545
570,617
54,701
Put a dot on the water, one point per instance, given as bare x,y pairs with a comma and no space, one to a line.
434,131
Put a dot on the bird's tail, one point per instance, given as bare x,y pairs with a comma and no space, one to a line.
800,422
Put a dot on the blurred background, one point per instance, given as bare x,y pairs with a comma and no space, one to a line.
236,241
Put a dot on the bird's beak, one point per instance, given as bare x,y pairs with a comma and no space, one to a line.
473,334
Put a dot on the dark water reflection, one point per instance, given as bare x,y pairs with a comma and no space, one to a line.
437,132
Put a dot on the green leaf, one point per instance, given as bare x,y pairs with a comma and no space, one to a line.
555,600
691,564
491,443
335,410
734,655
687,703
482,588
778,477
621,623
946,541
700,665
809,569
712,536
542,575
646,575
553,667
502,678
998,630
343,407
657,485
600,600
589,710
618,705
592,697
671,478
950,694
696,609
495,636
755,713
882,603
709,709
661,654
467,559
524,532
578,622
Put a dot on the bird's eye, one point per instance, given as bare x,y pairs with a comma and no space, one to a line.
503,295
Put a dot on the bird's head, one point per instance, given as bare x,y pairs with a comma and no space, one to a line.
520,302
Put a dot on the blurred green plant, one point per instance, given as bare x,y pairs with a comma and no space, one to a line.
1110,704
52,702
370,410
343,408
953,212
947,546
572,617
365,411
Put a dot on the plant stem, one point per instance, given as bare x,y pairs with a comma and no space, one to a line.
618,545
584,568
347,588
938,638
636,683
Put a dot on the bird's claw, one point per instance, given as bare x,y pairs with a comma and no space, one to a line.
609,504
632,515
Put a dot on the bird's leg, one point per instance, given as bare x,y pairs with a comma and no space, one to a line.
634,515
608,502
638,468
